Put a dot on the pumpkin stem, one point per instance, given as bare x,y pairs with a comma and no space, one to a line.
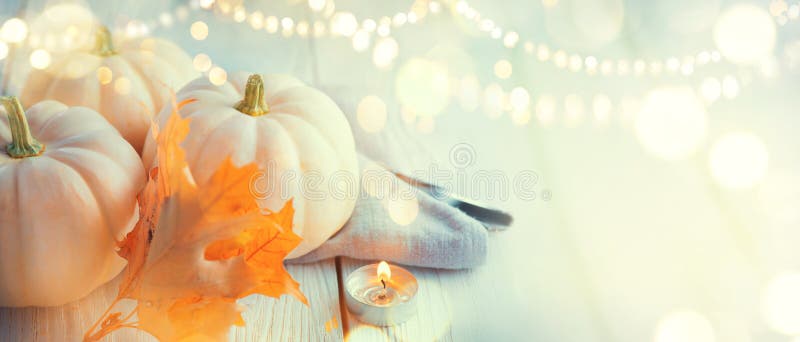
22,144
103,43
253,103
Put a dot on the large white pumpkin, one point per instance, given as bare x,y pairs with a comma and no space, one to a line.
128,84
296,134
68,186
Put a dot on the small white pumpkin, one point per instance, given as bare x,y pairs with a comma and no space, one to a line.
127,85
296,134
68,186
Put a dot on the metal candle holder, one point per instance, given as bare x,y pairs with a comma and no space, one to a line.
380,301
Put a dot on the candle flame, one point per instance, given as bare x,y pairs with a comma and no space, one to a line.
384,272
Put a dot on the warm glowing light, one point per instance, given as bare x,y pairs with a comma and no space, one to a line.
738,160
502,69
573,109
122,86
781,303
745,34
384,272
316,5
371,114
519,98
730,87
271,24
257,20
14,30
560,59
217,76
511,39
104,75
239,14
302,28
3,50
685,326
199,30
202,62
344,23
711,89
206,3
403,210
672,122
385,52
423,86
521,117
601,107
40,59
360,40
546,109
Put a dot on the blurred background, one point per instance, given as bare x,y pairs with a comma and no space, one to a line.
663,134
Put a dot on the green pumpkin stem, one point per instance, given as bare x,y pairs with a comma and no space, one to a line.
103,42
253,103
22,144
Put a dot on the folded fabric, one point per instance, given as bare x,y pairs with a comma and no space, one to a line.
396,222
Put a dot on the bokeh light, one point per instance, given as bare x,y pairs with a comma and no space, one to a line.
546,109
385,52
781,303
40,59
519,98
685,326
3,50
671,123
745,34
217,76
122,86
423,86
199,30
503,69
711,89
202,62
62,27
104,75
14,30
403,209
344,23
738,160
371,114
601,107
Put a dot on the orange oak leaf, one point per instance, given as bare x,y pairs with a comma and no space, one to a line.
197,249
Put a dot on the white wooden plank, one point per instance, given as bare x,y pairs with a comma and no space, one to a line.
287,319
268,319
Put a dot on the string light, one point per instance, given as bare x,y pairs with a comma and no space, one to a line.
560,58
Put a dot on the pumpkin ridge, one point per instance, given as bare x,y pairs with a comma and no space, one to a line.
101,206
202,151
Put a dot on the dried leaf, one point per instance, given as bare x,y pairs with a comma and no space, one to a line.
196,250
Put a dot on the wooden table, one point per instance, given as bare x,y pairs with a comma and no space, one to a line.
440,302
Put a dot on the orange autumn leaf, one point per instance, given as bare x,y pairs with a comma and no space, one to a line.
197,249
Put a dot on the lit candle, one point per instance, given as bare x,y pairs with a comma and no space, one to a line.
381,294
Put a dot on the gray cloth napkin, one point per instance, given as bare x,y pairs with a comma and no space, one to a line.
437,236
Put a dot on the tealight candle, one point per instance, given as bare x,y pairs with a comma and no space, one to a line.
381,294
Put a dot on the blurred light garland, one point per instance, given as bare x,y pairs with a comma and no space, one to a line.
493,99
783,12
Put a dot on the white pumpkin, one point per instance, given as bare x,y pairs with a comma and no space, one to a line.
296,134
68,186
127,85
